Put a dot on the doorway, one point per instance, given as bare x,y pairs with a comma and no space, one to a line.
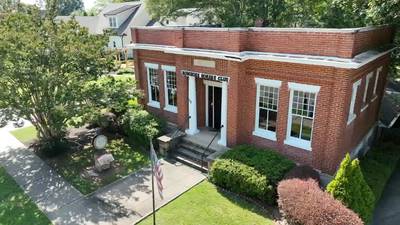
213,106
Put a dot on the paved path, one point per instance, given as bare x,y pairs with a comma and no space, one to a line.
387,211
122,202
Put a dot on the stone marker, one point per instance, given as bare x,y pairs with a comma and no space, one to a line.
103,162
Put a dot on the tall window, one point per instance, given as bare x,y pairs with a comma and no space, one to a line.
170,88
378,72
266,108
112,21
352,114
365,97
153,85
301,115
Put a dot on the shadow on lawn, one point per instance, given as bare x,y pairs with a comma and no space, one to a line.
251,205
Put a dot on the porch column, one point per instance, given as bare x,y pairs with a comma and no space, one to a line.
224,113
192,107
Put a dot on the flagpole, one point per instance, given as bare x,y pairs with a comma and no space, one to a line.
152,187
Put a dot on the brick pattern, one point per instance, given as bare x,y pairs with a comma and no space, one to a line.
339,44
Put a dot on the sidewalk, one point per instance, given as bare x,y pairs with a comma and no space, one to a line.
123,202
387,211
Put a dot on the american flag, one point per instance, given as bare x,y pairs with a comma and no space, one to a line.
157,169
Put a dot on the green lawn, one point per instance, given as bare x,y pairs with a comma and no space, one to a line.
72,167
26,135
16,208
205,205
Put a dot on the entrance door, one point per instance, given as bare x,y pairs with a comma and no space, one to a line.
214,107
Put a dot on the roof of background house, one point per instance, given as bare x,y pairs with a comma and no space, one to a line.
120,10
125,24
91,22
390,109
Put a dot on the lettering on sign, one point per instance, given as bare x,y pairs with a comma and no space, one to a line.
205,76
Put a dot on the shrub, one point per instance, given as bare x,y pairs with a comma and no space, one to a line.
350,188
242,179
303,202
126,70
269,163
303,172
141,125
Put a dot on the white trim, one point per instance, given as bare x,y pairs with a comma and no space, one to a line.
268,82
151,65
224,114
369,76
303,87
298,142
265,134
168,68
364,108
168,107
154,104
378,71
354,63
352,116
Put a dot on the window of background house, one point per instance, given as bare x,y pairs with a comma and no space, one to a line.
266,108
301,115
113,21
153,85
170,88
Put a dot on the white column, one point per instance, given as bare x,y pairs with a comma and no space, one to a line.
192,107
224,113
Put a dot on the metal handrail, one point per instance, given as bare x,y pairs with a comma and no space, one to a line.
208,146
178,127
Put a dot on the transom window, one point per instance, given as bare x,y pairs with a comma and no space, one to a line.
267,108
153,85
301,115
112,21
170,88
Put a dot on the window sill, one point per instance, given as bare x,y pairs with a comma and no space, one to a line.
154,104
265,134
171,108
298,143
351,119
364,108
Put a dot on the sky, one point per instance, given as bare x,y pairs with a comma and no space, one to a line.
88,3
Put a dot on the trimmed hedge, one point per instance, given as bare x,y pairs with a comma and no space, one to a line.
303,172
241,179
251,171
268,162
303,202
350,187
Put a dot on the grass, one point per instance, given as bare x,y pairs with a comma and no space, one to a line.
73,166
204,205
26,135
16,208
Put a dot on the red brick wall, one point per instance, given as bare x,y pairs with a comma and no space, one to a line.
325,43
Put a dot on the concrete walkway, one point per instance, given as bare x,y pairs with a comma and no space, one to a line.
387,211
123,202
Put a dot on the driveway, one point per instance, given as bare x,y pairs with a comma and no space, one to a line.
387,211
123,202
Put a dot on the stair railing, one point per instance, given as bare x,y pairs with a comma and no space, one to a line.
208,147
178,128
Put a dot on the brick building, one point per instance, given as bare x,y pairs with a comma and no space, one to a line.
311,94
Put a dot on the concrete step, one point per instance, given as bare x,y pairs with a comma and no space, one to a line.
196,148
189,162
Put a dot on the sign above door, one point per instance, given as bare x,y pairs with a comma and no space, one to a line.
205,76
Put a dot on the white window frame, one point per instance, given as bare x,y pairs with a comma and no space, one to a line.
367,81
167,107
378,72
151,102
293,141
258,131
352,115
111,21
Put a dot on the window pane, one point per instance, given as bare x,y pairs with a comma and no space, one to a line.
272,117
306,129
262,121
296,123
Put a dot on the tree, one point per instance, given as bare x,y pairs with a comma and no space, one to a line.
44,67
66,7
350,187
